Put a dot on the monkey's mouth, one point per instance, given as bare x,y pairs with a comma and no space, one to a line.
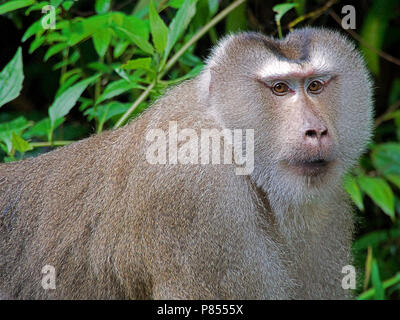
311,167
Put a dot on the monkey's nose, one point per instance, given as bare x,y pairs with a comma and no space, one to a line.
316,133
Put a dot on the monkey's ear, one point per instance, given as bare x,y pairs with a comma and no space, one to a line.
206,83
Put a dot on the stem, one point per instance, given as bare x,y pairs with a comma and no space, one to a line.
176,56
134,105
312,14
386,284
50,144
278,24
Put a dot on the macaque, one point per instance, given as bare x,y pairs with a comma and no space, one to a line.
128,214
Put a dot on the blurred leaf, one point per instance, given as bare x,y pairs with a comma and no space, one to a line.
102,6
54,50
135,25
7,129
386,158
14,5
212,7
67,5
159,30
107,111
20,144
375,238
36,44
65,102
380,192
351,186
120,48
33,29
179,24
393,178
140,42
237,19
300,6
11,78
101,41
374,30
41,128
376,281
67,84
141,63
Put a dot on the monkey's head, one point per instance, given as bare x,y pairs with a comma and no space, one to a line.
308,98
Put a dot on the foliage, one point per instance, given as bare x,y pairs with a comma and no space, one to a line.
113,62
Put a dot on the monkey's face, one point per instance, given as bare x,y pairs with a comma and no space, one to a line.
308,99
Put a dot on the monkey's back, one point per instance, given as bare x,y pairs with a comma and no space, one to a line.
113,225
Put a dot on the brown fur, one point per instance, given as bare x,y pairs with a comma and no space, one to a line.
116,227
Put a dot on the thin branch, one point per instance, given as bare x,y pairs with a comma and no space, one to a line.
313,14
50,144
383,117
382,54
138,101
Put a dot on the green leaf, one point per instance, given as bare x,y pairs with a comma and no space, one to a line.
159,30
386,158
54,50
213,7
101,41
133,25
120,48
179,24
102,6
282,9
20,144
376,281
141,63
351,186
116,88
67,4
107,111
140,42
41,128
380,192
11,78
36,44
394,178
33,29
66,101
14,5
6,129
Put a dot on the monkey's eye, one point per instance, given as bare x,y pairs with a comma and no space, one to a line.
280,88
315,86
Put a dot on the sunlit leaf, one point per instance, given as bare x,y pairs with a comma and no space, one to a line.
352,188
20,144
101,41
66,101
102,6
14,5
179,24
11,78
159,30
380,192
